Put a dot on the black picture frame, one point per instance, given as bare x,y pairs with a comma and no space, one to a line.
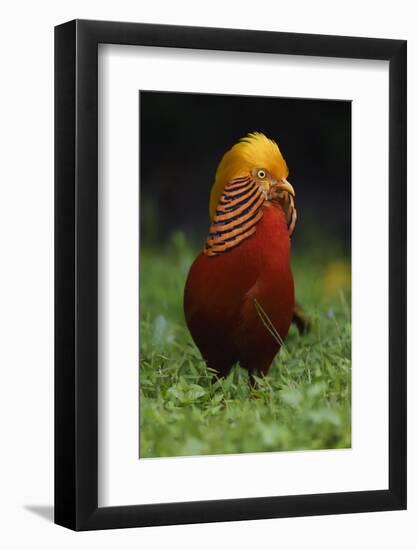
76,272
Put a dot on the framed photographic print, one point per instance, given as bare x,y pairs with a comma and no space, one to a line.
230,275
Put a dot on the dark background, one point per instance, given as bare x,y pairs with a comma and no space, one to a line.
184,136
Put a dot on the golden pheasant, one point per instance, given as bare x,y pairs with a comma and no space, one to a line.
239,294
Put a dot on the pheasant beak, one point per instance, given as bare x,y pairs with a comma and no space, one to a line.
284,185
283,193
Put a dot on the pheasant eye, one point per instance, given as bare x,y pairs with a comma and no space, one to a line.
261,174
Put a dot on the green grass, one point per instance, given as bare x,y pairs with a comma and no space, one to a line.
303,403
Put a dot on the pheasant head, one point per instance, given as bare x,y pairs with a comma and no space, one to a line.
251,173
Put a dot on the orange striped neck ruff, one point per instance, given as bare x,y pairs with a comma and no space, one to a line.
237,215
